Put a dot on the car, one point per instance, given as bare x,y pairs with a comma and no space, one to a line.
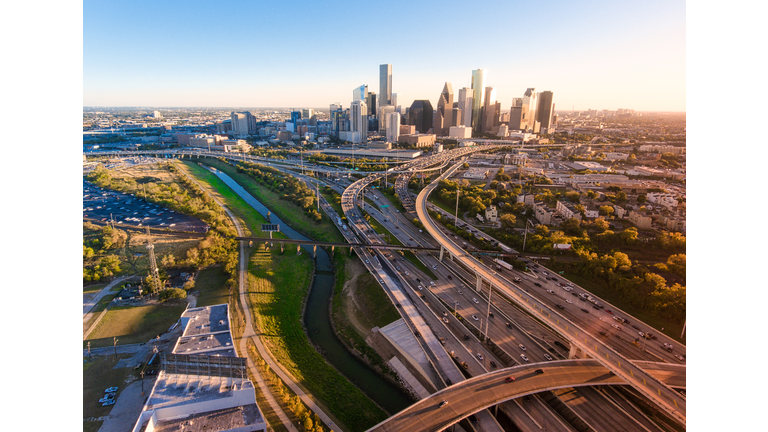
522,347
449,277
473,419
434,266
432,283
635,327
679,357
493,364
603,320
609,311
466,337
108,403
537,284
522,356
616,326
584,310
406,273
595,307
545,273
538,371
568,301
474,317
442,404
653,337
560,306
381,280
479,356
574,294
474,299
461,292
445,320
508,325
490,314
550,291
509,379
107,397
111,390
641,334
548,357
367,262
397,267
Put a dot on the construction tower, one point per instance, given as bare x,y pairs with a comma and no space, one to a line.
154,272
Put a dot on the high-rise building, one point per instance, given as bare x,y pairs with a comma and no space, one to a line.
465,106
516,114
545,111
383,115
478,84
358,119
242,122
393,127
394,102
307,113
530,102
443,114
371,101
420,115
489,110
360,93
385,85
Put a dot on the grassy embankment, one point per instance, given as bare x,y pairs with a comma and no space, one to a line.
409,255
290,213
278,285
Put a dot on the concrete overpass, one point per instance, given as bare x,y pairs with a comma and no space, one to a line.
581,340
484,391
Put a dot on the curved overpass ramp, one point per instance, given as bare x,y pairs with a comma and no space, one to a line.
665,397
484,391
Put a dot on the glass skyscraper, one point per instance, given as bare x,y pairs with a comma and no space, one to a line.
385,85
478,84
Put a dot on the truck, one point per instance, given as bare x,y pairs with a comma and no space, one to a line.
505,248
501,263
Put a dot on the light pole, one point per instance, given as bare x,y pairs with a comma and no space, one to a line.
114,343
488,314
525,237
456,216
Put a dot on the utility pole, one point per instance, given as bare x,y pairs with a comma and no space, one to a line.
155,272
488,315
114,344
456,217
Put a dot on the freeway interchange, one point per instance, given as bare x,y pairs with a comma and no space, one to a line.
531,323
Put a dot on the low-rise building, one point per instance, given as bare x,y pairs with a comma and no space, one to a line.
567,211
460,132
542,213
639,220
491,215
477,173
418,140
526,199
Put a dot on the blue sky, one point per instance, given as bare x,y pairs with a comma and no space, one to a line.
594,54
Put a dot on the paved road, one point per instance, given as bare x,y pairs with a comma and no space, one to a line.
91,302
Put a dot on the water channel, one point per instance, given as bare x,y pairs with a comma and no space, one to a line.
318,322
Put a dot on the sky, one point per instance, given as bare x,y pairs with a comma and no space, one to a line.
591,54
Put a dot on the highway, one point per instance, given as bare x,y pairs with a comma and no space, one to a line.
484,391
668,399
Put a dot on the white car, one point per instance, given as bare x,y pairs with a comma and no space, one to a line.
475,300
480,356
569,301
522,356
679,357
406,273
616,326
550,291
522,347
548,357
474,317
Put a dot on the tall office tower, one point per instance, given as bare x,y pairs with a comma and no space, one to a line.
394,101
393,127
545,111
489,110
455,115
516,114
529,110
465,106
371,101
295,116
385,85
420,115
307,113
157,115
360,93
240,122
478,83
383,115
336,106
358,119
442,120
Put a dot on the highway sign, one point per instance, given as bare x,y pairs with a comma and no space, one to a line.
270,227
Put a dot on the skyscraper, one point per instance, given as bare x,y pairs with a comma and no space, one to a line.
393,127
443,115
545,110
478,84
516,114
465,106
420,115
358,119
360,93
371,101
385,85
383,115
529,111
489,110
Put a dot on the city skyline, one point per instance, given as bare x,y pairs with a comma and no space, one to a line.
599,55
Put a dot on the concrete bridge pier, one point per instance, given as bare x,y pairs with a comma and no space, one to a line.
576,353
479,286
442,251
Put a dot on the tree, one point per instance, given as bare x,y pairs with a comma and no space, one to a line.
572,196
601,225
641,199
606,210
629,235
172,293
508,221
621,196
572,227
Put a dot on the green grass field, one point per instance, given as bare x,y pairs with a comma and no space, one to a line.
135,324
211,283
277,286
292,214
98,375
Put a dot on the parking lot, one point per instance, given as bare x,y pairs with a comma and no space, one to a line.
127,210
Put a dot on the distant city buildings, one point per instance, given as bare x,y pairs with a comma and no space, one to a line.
420,115
478,84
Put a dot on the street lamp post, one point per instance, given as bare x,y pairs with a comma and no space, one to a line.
114,343
488,314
